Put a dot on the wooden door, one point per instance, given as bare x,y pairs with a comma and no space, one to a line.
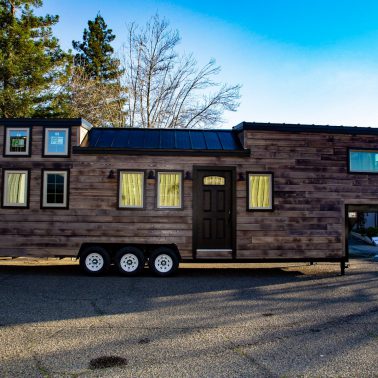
213,213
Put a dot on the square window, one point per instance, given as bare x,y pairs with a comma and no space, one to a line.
169,190
17,141
15,188
131,189
56,142
260,191
55,189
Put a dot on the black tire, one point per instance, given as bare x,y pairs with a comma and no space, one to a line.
130,261
163,261
95,260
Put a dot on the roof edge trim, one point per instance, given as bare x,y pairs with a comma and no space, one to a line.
288,127
161,152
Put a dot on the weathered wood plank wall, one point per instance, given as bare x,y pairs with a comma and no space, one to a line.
311,186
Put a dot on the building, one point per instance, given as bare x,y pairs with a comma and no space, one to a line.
257,192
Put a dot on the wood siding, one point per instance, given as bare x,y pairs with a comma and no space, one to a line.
311,187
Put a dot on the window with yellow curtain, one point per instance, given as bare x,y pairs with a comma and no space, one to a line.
260,193
131,187
15,188
169,190
213,180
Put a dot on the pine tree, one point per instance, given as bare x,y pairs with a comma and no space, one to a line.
95,52
31,61
95,85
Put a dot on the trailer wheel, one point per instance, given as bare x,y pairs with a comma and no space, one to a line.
95,260
129,261
163,261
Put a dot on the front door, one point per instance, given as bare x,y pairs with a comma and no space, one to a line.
213,212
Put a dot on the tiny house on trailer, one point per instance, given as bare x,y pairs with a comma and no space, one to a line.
255,193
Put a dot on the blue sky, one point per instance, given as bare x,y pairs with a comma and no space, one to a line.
299,61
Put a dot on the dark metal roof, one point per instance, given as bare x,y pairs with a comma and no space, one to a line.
53,122
167,141
295,128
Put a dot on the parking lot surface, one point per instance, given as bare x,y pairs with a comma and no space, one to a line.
207,321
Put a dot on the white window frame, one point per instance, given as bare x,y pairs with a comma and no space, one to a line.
120,191
180,206
45,204
7,141
46,141
25,204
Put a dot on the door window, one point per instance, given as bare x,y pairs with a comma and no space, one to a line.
213,180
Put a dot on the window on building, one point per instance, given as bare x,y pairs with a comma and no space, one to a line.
56,142
363,161
17,141
213,180
15,188
131,189
55,187
169,190
260,191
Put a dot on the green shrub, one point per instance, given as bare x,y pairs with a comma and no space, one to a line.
372,231
361,231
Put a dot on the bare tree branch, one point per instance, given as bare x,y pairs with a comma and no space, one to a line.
101,102
168,90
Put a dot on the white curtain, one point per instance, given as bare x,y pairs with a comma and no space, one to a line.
16,188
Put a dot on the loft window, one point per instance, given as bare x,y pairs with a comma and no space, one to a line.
213,180
169,190
56,141
131,189
260,191
364,161
17,141
15,188
55,185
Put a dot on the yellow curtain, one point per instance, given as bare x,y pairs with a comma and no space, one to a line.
213,180
16,189
131,189
169,189
260,191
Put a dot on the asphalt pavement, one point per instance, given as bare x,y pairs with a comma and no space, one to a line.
218,321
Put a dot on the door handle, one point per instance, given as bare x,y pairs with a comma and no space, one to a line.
229,216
